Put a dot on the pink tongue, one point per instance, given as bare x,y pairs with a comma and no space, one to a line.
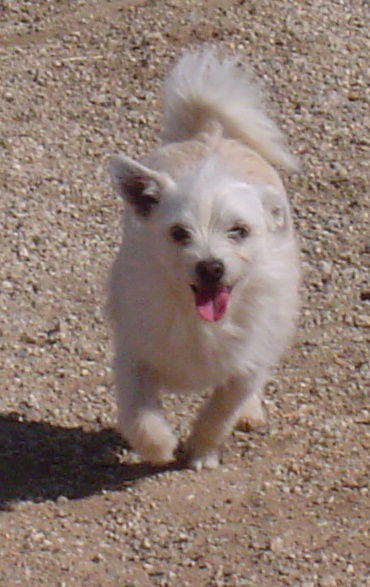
212,305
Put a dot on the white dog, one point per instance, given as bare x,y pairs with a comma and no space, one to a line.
203,293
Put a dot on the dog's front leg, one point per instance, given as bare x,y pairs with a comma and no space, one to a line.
139,418
251,415
217,420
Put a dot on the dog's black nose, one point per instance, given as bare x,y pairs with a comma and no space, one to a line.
210,271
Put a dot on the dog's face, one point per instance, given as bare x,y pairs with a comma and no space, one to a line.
208,229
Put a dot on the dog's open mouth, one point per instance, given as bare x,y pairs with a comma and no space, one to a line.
211,301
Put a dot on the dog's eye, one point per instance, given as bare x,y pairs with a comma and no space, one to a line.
238,232
180,234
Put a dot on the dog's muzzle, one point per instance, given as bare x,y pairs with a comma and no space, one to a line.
211,295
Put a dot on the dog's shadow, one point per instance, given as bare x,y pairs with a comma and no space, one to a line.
40,461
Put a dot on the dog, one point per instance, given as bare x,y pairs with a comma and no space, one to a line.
203,292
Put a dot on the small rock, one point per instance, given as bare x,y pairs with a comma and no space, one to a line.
146,544
362,321
277,544
325,268
62,499
328,581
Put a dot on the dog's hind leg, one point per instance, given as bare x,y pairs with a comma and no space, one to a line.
139,418
218,418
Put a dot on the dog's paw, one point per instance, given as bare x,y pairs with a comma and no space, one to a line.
151,437
209,460
158,454
252,416
249,424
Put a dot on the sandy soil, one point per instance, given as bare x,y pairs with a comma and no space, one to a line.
80,80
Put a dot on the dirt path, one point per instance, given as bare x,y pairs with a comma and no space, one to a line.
79,81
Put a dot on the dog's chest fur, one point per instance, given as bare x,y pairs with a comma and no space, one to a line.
186,353
189,355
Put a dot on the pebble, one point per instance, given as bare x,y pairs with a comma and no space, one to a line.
277,545
328,581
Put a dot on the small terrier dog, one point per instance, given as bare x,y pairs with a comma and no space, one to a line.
203,293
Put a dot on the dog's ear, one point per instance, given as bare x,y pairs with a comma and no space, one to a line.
140,186
276,208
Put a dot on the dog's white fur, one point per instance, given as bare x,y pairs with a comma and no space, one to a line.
213,171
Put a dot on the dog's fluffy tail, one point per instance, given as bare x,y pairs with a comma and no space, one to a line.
202,88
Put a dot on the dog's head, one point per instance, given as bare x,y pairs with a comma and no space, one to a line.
208,229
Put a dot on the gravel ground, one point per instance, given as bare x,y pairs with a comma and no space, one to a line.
81,80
